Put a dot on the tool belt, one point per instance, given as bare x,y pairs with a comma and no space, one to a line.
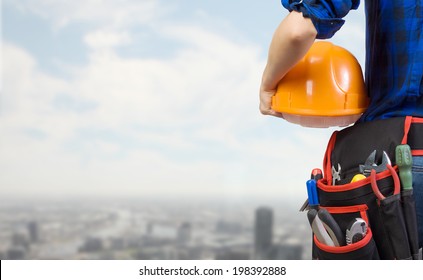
379,199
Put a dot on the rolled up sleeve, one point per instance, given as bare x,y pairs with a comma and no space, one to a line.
326,15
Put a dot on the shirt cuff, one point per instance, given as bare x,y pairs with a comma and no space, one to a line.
326,18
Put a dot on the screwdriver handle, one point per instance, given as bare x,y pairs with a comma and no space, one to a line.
404,162
313,198
316,174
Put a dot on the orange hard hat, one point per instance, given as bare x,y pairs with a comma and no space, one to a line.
326,88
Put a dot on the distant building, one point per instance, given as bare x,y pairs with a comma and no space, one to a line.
184,233
263,232
92,244
16,253
34,231
117,243
149,228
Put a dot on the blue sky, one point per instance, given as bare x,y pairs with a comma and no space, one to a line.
148,98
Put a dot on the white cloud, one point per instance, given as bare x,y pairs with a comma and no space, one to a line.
107,39
111,13
185,124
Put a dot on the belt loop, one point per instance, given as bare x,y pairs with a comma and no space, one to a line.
407,125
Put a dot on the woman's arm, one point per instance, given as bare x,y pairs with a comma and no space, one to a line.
291,41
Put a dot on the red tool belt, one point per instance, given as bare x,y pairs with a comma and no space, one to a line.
379,198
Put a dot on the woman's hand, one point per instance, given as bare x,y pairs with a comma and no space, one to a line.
266,103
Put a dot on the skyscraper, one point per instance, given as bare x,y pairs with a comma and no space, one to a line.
263,232
184,233
34,231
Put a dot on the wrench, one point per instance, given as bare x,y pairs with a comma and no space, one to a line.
370,164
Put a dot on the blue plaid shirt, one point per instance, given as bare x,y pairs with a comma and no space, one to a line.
394,49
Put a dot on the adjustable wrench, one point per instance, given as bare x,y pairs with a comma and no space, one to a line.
370,164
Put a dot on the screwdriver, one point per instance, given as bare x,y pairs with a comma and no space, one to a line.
316,224
404,161
316,174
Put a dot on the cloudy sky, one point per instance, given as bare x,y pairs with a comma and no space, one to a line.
146,98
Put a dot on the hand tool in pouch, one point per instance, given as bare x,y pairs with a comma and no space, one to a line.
316,224
391,210
370,164
318,229
404,161
331,227
316,174
370,168
356,231
336,174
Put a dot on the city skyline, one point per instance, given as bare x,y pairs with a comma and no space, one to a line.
129,230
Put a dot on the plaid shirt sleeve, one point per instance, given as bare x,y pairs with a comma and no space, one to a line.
326,15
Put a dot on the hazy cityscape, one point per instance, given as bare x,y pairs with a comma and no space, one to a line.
148,229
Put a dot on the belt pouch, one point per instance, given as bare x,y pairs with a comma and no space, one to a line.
391,214
410,219
394,225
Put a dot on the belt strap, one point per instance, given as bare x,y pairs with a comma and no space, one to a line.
415,136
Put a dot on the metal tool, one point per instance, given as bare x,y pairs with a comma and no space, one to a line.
336,174
370,168
370,164
404,161
324,231
356,231
305,206
318,229
331,227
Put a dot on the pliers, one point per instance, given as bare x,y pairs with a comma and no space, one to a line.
370,168
336,174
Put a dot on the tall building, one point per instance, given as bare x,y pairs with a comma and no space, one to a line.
34,231
263,232
184,233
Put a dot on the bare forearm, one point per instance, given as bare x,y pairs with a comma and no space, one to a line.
291,41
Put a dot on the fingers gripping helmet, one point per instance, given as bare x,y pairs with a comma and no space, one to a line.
326,88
